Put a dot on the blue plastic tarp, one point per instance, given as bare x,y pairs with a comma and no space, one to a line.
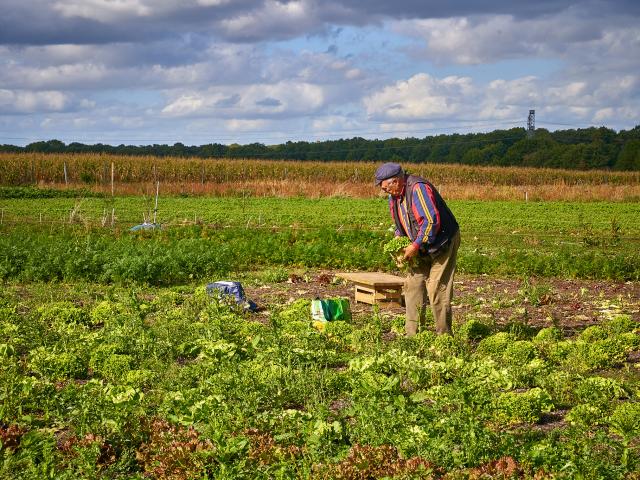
233,290
144,226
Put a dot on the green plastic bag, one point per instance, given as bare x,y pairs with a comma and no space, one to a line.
331,309
340,309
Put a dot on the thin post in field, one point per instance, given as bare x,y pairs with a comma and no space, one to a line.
155,210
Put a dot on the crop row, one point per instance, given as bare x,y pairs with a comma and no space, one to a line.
178,255
35,168
564,220
176,384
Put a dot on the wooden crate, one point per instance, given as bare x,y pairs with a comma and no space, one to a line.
376,288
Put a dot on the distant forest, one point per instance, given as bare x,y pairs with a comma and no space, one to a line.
581,149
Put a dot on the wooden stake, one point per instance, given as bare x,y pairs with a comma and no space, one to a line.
155,210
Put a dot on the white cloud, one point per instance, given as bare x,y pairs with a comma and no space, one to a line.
604,114
21,101
85,103
421,97
353,74
520,91
334,123
84,122
459,40
188,65
127,122
241,125
569,35
287,97
184,105
212,3
102,10
275,19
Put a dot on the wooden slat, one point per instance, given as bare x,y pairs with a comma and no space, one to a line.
373,279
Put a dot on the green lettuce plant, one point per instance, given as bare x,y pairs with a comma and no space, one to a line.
518,407
395,248
585,415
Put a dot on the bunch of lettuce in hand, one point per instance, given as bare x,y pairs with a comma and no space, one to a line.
395,247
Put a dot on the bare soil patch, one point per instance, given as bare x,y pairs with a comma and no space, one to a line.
538,302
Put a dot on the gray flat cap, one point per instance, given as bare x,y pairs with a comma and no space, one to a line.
387,170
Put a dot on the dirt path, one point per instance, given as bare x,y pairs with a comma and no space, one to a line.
540,302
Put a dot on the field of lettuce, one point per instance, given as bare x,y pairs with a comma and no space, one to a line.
116,363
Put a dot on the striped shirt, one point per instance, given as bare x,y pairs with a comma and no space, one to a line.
424,211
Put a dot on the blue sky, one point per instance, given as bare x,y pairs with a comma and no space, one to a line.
268,71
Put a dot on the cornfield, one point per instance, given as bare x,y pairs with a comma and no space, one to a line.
196,176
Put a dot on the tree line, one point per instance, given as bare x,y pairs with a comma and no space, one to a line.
578,149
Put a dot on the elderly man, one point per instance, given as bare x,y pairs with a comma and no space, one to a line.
420,213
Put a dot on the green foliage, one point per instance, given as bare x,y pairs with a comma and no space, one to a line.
445,346
338,329
625,420
62,313
274,275
517,407
620,324
34,192
593,333
474,330
629,341
585,415
519,352
396,245
171,383
115,367
299,310
599,390
548,335
496,344
394,248
56,366
558,352
534,294
7,350
589,356
106,312
593,147
179,254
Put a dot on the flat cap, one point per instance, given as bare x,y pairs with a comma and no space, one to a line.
387,170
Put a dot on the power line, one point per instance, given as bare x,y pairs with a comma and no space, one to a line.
584,125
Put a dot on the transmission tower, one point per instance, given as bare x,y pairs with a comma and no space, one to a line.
531,123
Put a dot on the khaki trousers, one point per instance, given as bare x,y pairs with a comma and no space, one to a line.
432,280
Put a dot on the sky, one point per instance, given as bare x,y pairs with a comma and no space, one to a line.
143,72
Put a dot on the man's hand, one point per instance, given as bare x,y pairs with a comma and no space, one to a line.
410,252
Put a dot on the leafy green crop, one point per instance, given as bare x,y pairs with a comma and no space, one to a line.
113,381
396,245
516,407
